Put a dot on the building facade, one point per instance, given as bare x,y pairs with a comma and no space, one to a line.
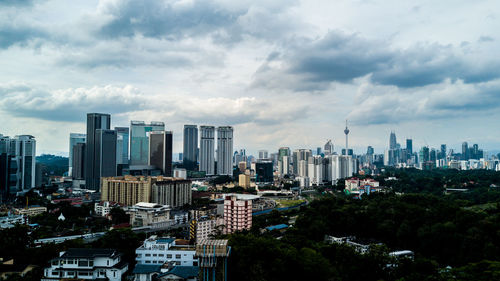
225,150
95,122
139,143
160,151
127,190
172,191
74,138
190,147
237,214
86,264
207,148
157,250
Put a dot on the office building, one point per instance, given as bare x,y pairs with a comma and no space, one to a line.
392,141
171,191
159,250
207,148
244,180
190,147
237,214
17,165
225,150
95,123
409,146
264,171
283,151
122,142
127,190
78,166
160,151
328,148
74,138
284,166
263,154
86,264
139,143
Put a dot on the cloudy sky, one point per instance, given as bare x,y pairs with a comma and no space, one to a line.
283,73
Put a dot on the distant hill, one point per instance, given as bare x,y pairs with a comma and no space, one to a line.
53,165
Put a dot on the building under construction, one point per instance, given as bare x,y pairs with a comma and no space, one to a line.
212,256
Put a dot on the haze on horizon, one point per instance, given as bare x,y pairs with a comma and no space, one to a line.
283,73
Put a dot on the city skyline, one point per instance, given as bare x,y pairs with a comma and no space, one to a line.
282,73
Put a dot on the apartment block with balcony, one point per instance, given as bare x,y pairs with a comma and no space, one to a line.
237,214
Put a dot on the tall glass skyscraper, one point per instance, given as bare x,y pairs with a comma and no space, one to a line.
225,150
139,143
122,136
93,149
160,151
74,138
189,155
207,148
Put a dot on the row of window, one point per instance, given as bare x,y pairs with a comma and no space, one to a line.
169,256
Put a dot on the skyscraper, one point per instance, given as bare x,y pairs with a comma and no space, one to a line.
465,151
95,122
225,150
160,151
139,143
78,171
207,148
122,141
409,146
283,151
300,155
392,141
263,154
190,157
443,151
26,158
74,138
328,148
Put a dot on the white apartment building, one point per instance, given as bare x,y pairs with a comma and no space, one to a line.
158,250
86,264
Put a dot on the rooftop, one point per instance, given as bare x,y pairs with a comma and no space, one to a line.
146,268
185,272
277,227
89,253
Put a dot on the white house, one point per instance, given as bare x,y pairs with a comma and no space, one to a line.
88,264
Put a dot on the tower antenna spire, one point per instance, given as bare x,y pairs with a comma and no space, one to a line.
346,132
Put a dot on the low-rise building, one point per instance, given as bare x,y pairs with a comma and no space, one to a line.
150,214
86,264
31,211
204,228
104,208
11,221
158,250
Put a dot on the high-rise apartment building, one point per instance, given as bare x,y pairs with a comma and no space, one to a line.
190,147
95,122
139,143
409,146
171,191
127,190
298,155
225,150
207,148
74,138
160,151
237,214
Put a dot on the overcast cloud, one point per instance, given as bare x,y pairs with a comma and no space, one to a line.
283,73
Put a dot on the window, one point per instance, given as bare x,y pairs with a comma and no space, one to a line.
84,263
178,256
70,273
160,255
91,262
154,255
55,262
177,263
169,256
148,261
70,262
148,255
